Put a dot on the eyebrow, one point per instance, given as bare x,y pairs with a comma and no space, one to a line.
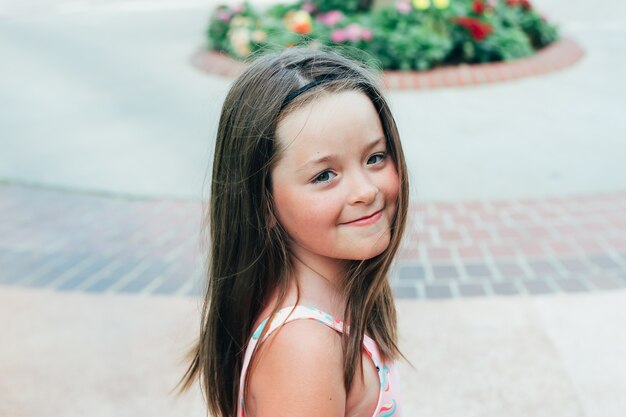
333,157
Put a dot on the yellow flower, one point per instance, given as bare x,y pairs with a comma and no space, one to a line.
299,21
441,4
239,21
421,4
259,36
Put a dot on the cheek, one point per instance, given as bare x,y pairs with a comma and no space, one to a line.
302,215
390,185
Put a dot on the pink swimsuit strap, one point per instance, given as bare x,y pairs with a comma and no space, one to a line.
389,395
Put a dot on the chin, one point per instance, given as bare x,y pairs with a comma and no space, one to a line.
368,252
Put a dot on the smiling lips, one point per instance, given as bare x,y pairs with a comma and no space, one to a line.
367,220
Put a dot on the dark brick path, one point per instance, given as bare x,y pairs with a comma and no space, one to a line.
79,242
68,241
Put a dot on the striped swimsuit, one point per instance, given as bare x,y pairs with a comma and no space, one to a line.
389,393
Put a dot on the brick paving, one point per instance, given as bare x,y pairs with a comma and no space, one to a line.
80,242
559,55
101,244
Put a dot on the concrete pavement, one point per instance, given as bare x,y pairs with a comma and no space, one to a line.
523,356
121,110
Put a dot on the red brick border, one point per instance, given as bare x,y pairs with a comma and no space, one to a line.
559,55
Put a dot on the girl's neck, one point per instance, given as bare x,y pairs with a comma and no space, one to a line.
320,278
330,270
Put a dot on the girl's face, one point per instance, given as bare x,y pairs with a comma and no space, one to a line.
335,187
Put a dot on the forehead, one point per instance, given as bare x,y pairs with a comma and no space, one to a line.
328,124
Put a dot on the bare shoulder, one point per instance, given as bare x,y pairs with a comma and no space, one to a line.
298,372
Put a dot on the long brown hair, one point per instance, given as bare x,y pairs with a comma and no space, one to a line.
249,253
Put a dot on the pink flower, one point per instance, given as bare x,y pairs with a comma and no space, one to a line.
330,18
353,32
223,15
308,7
239,8
403,6
338,36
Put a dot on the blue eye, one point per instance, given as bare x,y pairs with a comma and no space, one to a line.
324,177
374,159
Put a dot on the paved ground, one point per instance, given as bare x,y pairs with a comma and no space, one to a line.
122,110
77,242
113,355
510,285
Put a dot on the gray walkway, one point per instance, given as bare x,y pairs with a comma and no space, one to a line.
560,356
100,96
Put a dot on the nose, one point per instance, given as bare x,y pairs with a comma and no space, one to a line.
362,189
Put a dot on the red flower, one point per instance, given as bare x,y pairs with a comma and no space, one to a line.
477,28
525,4
478,6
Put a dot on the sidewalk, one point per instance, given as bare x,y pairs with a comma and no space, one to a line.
123,111
511,286
517,357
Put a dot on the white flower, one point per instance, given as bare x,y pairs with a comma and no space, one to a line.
240,41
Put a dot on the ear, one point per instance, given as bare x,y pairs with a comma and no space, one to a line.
271,219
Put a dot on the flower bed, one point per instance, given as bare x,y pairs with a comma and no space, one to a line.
400,35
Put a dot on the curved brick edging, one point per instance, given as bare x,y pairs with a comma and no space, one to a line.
554,57
99,244
217,63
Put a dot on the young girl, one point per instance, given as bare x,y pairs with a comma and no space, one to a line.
308,205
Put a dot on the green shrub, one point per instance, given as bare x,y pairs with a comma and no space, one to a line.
404,35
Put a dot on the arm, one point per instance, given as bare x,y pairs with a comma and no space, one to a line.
299,373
